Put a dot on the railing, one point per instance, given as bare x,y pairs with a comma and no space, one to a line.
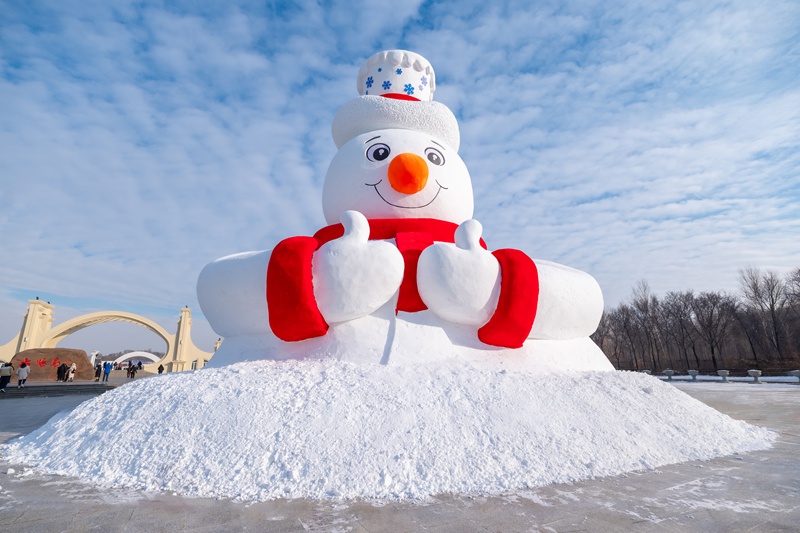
724,376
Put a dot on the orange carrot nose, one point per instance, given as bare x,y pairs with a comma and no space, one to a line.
408,173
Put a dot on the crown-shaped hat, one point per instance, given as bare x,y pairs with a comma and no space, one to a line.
397,73
396,88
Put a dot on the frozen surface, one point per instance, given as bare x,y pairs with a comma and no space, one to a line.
332,430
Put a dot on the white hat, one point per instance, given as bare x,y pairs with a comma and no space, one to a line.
396,88
397,72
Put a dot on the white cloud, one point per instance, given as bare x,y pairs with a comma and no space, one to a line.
634,141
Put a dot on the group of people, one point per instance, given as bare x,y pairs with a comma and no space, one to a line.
106,368
131,369
7,370
103,369
66,373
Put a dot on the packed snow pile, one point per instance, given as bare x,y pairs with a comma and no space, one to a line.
337,430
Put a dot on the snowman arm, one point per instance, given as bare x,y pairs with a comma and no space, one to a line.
570,303
255,293
293,311
231,292
517,304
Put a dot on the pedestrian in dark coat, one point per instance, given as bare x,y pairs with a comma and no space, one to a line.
5,375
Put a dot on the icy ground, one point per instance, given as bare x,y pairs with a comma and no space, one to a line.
336,430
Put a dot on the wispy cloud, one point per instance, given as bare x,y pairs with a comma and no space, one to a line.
142,140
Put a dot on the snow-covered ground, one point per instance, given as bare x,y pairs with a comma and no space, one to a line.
333,430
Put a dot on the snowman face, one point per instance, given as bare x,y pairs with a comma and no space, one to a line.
398,174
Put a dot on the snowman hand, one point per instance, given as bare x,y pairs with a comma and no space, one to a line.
460,282
353,276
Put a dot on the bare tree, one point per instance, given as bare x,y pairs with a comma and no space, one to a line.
767,293
677,311
793,305
626,333
713,317
645,307
793,286
602,335
749,322
606,337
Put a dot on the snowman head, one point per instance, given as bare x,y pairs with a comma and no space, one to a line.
398,155
397,173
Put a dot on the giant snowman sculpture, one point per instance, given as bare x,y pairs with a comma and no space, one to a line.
480,390
401,274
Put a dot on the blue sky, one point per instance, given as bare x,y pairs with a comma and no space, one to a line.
634,140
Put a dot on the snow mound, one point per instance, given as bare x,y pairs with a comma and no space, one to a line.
337,430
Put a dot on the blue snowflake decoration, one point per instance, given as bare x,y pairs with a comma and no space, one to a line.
387,85
398,71
408,89
369,82
424,80
421,88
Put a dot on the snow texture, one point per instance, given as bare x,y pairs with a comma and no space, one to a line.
330,430
370,113
353,276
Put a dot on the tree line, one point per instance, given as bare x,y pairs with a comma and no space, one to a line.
757,328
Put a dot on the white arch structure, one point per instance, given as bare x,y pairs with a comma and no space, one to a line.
37,332
137,355
74,325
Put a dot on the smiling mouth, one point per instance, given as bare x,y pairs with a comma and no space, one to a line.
375,186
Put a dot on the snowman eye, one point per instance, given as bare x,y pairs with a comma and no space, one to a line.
378,152
434,156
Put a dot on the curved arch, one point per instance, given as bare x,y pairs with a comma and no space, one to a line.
57,334
138,355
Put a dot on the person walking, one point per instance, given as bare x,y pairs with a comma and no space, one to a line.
5,376
160,369
98,369
22,375
106,371
71,372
